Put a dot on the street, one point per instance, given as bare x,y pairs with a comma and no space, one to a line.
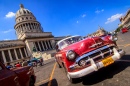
117,74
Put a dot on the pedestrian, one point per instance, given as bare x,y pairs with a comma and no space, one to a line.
9,66
24,63
18,64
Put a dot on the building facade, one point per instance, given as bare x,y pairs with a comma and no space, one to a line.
125,20
30,36
99,32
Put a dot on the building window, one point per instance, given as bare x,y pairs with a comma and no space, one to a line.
18,53
26,17
1,57
19,19
22,50
22,18
7,55
30,17
13,54
24,11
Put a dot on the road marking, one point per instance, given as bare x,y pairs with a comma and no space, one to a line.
49,84
42,81
126,45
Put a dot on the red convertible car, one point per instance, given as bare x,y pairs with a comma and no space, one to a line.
124,30
81,56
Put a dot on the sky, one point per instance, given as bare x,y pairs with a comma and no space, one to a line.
64,17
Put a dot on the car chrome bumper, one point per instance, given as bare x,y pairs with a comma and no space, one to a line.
96,66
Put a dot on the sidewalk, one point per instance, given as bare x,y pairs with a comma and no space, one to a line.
37,69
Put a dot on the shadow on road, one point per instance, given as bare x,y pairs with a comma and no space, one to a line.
108,72
53,83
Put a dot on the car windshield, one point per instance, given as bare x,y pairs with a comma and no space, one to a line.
69,41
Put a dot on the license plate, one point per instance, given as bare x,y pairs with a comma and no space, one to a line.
107,61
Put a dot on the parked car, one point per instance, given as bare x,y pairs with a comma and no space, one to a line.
81,56
124,30
21,76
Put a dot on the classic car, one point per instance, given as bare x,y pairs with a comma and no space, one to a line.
80,56
124,30
20,76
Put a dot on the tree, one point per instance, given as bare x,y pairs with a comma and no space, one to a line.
118,29
34,49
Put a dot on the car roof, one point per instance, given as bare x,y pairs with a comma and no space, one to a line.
67,38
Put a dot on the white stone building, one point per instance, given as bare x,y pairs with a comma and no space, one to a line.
30,35
125,20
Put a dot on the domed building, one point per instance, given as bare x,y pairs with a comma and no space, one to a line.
31,39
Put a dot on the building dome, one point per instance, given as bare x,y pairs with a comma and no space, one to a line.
26,22
23,11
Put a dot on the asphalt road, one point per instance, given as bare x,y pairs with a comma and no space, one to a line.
117,74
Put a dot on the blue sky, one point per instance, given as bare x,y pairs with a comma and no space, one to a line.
64,17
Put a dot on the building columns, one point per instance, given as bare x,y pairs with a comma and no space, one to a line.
21,53
16,54
39,46
43,45
4,57
46,45
10,55
25,52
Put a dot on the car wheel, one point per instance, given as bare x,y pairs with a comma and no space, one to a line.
72,80
31,83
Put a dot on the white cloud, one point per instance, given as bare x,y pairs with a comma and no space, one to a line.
6,39
10,15
77,22
99,11
83,15
7,31
113,18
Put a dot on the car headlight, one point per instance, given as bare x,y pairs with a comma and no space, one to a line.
71,55
113,38
82,62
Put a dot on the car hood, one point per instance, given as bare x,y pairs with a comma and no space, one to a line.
85,45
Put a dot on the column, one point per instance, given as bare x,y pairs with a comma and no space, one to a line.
43,45
25,52
3,55
31,26
49,44
28,26
16,54
10,55
21,52
39,46
46,45
37,26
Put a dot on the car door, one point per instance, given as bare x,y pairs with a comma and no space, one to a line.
8,77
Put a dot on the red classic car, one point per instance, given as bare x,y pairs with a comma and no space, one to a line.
81,56
124,30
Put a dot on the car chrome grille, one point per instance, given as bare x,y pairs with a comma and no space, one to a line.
97,55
